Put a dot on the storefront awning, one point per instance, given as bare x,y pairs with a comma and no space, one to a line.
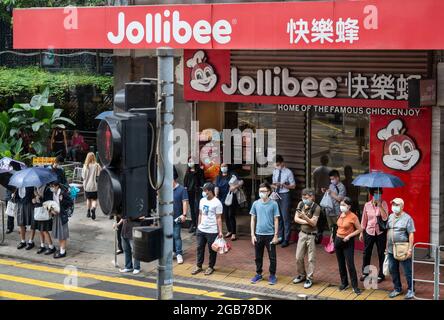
350,25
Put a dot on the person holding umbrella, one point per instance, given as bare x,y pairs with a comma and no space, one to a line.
25,216
374,218
8,167
25,181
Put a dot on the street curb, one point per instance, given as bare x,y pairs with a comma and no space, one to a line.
271,293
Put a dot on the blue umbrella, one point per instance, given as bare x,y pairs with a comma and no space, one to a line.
32,177
377,179
104,114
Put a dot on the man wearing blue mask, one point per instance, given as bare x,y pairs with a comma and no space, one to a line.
337,192
307,215
264,232
283,182
209,228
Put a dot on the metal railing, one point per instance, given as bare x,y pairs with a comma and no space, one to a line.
2,209
435,255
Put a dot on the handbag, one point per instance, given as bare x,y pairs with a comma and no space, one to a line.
41,214
330,246
381,223
326,202
11,209
400,249
241,197
385,266
229,199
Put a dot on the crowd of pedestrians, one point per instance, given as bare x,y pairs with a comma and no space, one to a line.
391,229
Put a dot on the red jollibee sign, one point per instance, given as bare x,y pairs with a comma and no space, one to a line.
376,24
401,146
209,75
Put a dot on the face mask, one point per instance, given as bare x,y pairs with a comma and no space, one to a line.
333,182
344,209
224,169
263,195
190,164
307,202
278,167
396,209
52,189
376,197
204,194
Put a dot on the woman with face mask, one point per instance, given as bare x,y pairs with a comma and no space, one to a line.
374,216
41,195
60,229
228,182
193,181
348,228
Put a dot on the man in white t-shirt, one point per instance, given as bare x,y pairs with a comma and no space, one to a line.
209,227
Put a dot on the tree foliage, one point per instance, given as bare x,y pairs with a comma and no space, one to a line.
34,120
29,81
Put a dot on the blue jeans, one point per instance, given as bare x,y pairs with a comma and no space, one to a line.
128,250
177,239
396,276
285,220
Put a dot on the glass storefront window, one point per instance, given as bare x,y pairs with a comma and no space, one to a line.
249,116
344,139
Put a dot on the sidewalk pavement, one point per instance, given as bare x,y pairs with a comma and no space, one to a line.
91,247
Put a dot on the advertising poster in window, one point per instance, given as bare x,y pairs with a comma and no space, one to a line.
401,145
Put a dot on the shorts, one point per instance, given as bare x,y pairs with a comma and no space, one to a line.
91,195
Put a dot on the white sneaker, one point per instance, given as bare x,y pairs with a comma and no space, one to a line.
125,270
136,271
179,259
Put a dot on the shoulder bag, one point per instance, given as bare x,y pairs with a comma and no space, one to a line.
400,249
229,199
382,224
41,214
11,209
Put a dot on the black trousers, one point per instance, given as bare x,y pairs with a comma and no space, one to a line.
261,243
345,251
230,215
193,200
119,234
204,239
10,223
369,242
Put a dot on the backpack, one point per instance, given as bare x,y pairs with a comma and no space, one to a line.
68,202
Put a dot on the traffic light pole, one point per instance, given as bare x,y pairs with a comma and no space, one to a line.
165,71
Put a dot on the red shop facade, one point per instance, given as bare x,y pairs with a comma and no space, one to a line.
349,105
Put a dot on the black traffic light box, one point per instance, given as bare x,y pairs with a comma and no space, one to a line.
123,145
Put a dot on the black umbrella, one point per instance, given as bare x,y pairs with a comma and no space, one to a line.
5,175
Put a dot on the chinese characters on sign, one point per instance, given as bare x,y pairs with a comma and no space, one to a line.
380,86
323,31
